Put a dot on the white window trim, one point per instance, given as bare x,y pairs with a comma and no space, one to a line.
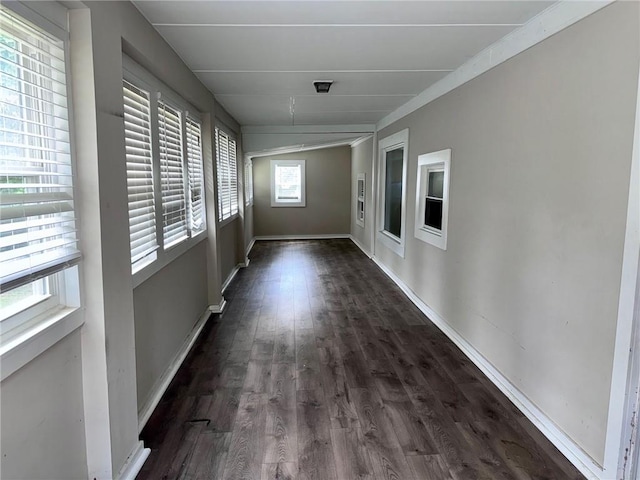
222,221
427,162
361,199
51,320
140,77
248,178
303,193
392,142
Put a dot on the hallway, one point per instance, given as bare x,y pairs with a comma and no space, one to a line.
321,368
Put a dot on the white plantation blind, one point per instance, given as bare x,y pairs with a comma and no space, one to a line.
194,165
37,220
137,131
227,175
174,205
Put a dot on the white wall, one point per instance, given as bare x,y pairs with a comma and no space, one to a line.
41,416
541,154
362,162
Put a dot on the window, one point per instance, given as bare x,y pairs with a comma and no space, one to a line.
392,169
163,146
248,182
432,198
227,175
360,193
196,176
38,240
172,176
142,213
288,183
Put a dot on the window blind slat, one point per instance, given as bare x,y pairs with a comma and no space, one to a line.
142,221
172,176
227,175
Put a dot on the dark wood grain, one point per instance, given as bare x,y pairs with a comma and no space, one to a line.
281,432
244,460
321,368
315,452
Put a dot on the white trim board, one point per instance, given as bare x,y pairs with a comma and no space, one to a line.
163,382
303,237
249,247
549,22
134,462
626,351
581,460
234,271
360,246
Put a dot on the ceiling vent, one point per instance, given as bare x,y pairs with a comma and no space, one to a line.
322,86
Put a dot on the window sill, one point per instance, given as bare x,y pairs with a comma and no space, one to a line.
165,258
18,349
392,242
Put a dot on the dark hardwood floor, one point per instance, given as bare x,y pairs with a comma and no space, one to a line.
321,368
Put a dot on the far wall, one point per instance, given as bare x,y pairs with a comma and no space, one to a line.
328,193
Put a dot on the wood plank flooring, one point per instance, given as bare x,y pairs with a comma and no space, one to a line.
320,368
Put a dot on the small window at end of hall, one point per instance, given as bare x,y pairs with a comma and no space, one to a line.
288,183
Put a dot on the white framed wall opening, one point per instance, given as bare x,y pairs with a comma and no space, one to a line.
392,190
360,199
227,174
165,182
432,198
288,183
39,286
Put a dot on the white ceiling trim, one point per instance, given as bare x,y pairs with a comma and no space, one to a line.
336,25
325,71
549,22
308,129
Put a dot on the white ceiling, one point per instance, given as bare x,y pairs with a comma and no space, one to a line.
260,58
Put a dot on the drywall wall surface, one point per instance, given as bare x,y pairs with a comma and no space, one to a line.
248,229
541,154
362,163
227,245
328,195
42,430
118,27
167,306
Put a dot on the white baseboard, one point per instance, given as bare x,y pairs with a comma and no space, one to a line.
303,237
250,246
134,462
578,457
163,382
218,308
230,277
233,273
360,246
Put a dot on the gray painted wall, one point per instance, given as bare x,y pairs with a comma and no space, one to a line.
166,307
47,404
328,194
362,162
541,155
42,417
227,245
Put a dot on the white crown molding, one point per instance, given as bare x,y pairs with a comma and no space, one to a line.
278,129
360,140
549,22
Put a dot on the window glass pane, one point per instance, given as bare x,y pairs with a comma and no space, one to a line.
37,219
436,184
288,183
393,192
433,213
